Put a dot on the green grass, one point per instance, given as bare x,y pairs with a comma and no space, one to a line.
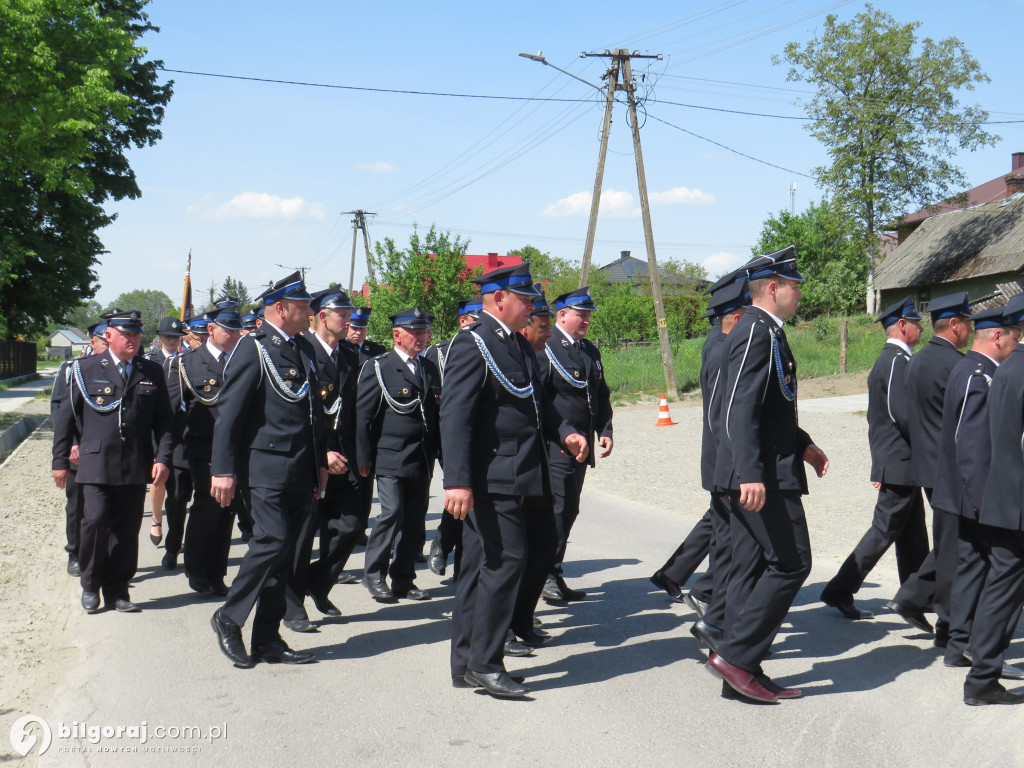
5,385
815,345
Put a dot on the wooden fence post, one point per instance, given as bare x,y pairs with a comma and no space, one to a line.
844,338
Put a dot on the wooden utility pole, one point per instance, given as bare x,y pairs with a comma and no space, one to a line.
359,223
595,201
621,62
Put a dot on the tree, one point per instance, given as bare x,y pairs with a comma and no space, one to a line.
557,275
430,274
236,288
887,111
75,94
153,306
84,315
831,256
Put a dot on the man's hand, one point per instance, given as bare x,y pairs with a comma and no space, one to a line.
576,444
60,477
222,488
73,455
606,446
752,496
817,459
876,485
160,473
336,463
458,501
364,471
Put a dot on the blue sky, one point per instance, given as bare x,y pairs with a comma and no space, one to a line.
253,175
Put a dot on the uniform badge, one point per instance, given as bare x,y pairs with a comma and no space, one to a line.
288,384
323,394
206,388
576,374
104,363
565,344
405,390
276,341
501,333
212,382
106,390
99,401
291,372
330,387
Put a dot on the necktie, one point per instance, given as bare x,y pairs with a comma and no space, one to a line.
124,369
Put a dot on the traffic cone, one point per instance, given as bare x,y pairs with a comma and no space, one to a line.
664,420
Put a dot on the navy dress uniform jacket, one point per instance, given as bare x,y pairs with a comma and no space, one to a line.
113,449
192,375
262,439
493,443
711,386
888,431
588,409
397,444
759,438
926,389
1003,504
338,381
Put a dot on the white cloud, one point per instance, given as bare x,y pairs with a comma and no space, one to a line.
614,205
377,167
260,205
717,264
682,196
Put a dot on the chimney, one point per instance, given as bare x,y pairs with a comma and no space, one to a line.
492,262
1016,161
623,255
1014,183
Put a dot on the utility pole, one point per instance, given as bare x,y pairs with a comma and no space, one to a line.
297,269
595,200
359,223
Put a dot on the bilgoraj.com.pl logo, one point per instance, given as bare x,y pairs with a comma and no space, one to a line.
31,732
27,732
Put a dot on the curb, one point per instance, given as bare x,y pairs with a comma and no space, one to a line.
13,436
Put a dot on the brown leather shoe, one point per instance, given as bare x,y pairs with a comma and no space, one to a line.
742,682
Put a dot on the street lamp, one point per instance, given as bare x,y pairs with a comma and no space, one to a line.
539,56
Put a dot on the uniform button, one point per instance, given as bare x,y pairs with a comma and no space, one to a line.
271,445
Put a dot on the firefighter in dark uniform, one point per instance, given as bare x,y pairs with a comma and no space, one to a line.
448,538
899,512
171,500
574,380
337,515
194,381
965,455
760,463
1000,532
494,418
72,492
927,373
269,437
397,400
116,410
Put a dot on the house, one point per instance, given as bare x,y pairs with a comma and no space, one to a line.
627,269
978,249
491,261
67,342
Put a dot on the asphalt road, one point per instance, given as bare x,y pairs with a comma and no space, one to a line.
622,682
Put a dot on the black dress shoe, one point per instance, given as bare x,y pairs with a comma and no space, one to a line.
532,638
910,615
515,648
200,584
124,605
277,652
347,578
1008,672
995,696
551,591
324,605
169,561
91,602
568,593
438,561
379,591
661,581
707,634
300,625
219,588
699,606
410,593
229,636
74,569
498,684
845,605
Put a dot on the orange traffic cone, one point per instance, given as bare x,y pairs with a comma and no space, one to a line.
664,420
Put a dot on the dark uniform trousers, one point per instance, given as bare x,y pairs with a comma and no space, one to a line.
567,477
343,519
683,563
771,560
108,548
899,517
401,526
930,587
541,552
72,512
179,493
495,542
262,578
208,536
712,586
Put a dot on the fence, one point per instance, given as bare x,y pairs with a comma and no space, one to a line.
17,358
